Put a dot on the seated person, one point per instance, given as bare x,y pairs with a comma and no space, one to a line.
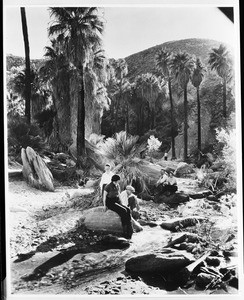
112,201
167,183
171,185
163,177
130,200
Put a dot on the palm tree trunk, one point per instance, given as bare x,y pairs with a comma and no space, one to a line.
152,118
127,129
185,124
27,66
172,120
199,142
142,120
116,114
224,99
81,125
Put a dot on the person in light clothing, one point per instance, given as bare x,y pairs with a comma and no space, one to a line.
167,183
163,178
106,178
130,200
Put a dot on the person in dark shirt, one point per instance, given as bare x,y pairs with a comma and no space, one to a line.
112,201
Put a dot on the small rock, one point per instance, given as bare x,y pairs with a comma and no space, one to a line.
234,282
203,279
213,261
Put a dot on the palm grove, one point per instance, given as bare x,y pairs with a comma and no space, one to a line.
76,97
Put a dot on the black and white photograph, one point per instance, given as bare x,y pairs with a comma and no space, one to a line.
123,162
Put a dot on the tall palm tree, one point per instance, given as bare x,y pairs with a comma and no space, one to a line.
219,60
56,73
196,79
163,61
149,87
120,91
27,95
182,65
79,29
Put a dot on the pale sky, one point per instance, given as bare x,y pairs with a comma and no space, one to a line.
128,29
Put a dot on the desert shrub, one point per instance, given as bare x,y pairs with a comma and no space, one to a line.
124,152
96,139
228,155
153,145
21,134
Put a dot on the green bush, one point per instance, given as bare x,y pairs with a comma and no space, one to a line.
21,135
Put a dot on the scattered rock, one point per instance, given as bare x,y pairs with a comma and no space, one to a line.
203,279
166,261
173,199
212,198
114,241
200,195
234,282
213,261
176,224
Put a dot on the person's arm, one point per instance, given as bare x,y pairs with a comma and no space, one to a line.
119,195
104,199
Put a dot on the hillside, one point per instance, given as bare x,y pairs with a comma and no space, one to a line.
144,61
17,61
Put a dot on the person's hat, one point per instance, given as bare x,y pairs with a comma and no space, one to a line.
115,177
107,165
130,188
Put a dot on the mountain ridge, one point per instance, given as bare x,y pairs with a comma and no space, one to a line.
144,61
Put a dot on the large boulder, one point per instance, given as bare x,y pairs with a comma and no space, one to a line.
35,170
97,219
183,169
163,262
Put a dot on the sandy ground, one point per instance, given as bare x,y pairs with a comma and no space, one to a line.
35,216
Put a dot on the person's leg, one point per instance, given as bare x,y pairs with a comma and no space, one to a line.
122,211
172,188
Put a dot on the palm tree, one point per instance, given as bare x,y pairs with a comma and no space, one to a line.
196,79
39,95
219,60
79,29
56,74
148,87
182,66
121,91
27,95
163,60
96,78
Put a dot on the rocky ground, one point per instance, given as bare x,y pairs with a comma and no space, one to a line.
43,225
